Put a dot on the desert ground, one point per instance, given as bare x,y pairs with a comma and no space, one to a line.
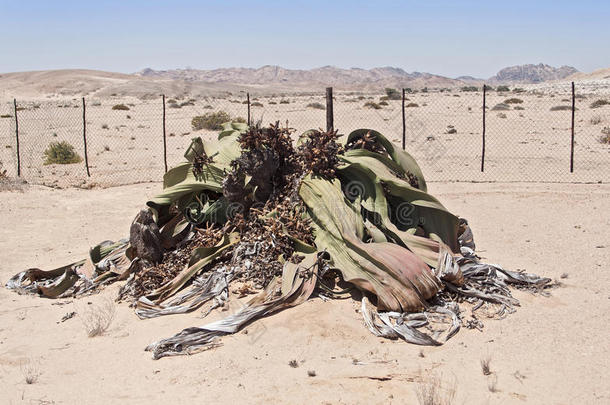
525,141
553,350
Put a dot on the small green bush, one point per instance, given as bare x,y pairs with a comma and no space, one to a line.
61,153
256,104
121,107
6,116
211,120
272,103
500,107
502,88
374,106
384,98
561,108
284,101
518,107
383,103
317,106
470,88
392,94
410,105
513,101
599,103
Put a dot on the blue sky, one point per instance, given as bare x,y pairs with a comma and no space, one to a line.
451,38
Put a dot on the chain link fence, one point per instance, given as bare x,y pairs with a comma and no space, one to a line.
527,134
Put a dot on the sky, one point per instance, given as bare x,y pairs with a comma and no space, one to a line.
450,38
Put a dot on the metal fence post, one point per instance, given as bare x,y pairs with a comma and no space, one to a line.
483,146
248,102
330,126
404,123
572,141
85,139
17,138
164,137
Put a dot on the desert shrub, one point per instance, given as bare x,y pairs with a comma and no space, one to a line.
372,105
121,107
257,104
410,105
501,115
605,137
500,107
189,102
245,102
502,88
207,107
239,119
171,101
392,94
211,120
384,98
424,90
104,126
6,116
451,129
513,101
272,102
561,108
488,88
317,106
518,107
518,90
61,153
383,103
361,97
599,103
174,105
596,120
284,101
470,88
97,318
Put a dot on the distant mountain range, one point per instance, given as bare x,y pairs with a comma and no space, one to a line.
337,77
266,79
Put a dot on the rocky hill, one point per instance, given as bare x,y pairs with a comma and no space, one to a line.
532,74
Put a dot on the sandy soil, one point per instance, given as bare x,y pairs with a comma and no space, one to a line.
553,350
526,143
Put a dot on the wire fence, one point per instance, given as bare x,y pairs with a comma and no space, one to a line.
528,135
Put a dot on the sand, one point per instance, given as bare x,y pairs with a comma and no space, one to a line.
554,350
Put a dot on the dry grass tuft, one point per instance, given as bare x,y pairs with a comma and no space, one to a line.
485,362
492,384
97,318
317,106
431,392
30,370
599,103
605,137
